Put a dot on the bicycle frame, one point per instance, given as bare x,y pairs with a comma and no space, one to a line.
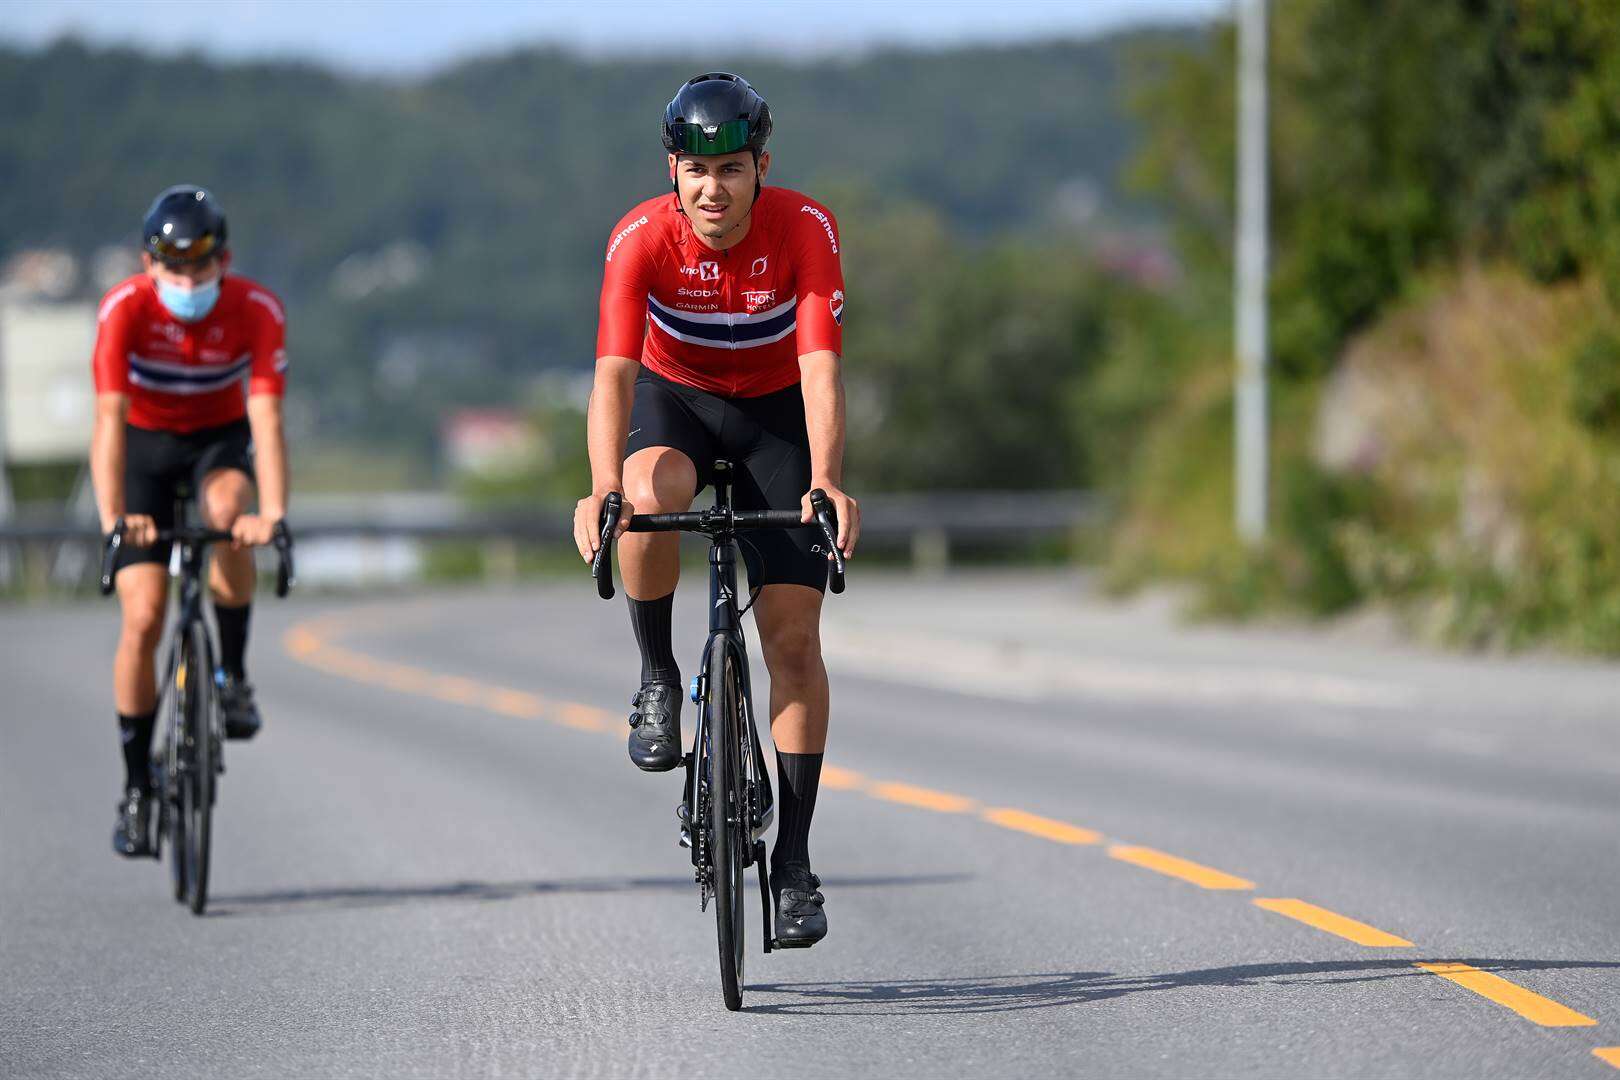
725,621
189,564
192,566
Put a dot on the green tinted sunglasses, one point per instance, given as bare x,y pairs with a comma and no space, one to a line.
727,138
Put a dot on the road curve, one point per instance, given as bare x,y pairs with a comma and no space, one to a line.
1056,836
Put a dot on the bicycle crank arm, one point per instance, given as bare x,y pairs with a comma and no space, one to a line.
762,865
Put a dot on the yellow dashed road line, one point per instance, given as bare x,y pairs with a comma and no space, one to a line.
922,798
516,703
1175,866
1527,1003
309,643
584,717
1058,831
841,779
458,691
1333,923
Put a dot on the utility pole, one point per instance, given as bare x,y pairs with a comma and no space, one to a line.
1250,315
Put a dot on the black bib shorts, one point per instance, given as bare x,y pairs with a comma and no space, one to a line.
768,445
158,463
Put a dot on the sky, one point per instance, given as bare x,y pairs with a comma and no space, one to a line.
402,37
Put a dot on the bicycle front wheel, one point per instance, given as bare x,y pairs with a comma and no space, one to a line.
198,790
728,810
176,761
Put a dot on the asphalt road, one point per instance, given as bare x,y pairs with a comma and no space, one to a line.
1058,837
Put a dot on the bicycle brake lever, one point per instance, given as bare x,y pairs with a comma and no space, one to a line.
286,577
827,518
109,556
602,563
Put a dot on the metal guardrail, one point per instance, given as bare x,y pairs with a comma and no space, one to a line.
929,524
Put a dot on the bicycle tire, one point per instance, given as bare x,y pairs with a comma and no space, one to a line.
174,769
728,816
201,735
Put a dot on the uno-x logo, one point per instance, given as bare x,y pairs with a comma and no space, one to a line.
703,271
760,265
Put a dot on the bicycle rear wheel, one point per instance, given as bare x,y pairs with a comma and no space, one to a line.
728,810
199,777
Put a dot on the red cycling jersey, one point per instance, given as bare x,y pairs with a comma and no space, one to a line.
731,322
187,376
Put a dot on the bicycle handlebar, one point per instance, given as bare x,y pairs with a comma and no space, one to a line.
701,520
710,522
281,539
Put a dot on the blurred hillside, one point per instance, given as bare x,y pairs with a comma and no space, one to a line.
439,241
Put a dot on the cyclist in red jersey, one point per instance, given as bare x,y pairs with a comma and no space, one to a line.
175,345
720,336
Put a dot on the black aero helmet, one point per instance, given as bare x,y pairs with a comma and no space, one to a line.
184,225
716,113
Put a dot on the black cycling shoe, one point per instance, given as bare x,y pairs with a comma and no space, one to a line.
800,920
242,720
655,727
132,835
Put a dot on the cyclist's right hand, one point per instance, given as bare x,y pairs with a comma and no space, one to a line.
588,522
139,530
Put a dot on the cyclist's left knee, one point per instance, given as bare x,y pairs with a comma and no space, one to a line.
796,662
225,497
791,637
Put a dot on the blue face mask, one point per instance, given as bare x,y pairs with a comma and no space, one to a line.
189,305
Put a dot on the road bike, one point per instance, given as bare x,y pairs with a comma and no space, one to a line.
728,802
189,759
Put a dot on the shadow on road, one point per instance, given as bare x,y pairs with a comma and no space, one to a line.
346,897
1011,993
